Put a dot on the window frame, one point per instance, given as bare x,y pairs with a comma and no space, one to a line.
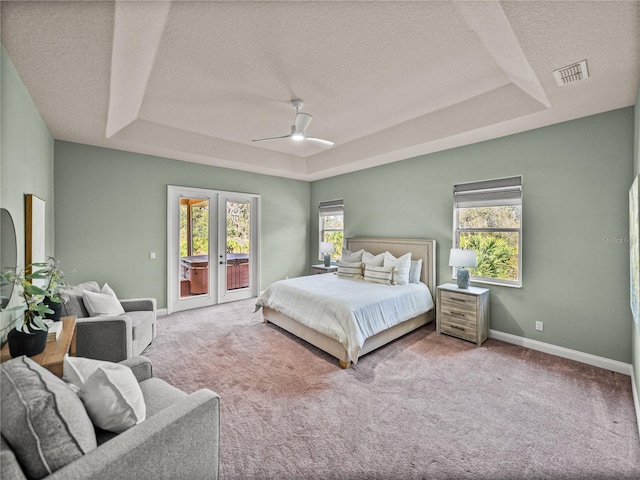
326,209
505,191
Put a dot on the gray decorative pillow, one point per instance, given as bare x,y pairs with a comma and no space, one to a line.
351,257
350,269
73,301
43,420
376,274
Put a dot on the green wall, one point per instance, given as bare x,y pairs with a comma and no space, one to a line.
575,186
111,211
26,161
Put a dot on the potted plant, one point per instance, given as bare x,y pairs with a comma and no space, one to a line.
29,337
53,277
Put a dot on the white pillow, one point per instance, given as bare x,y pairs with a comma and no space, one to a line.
350,269
415,271
109,391
103,303
374,260
402,264
376,274
351,257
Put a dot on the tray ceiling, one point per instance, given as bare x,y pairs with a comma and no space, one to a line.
385,81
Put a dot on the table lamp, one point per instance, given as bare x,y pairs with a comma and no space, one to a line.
461,259
327,248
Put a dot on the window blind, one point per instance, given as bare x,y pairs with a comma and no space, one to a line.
488,193
331,207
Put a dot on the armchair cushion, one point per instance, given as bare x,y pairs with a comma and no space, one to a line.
104,302
73,301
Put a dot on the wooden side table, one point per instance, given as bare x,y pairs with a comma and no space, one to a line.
53,355
463,313
320,268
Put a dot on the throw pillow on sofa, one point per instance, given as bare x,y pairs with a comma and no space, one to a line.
104,302
43,420
110,392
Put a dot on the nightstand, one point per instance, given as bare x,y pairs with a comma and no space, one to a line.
463,313
320,268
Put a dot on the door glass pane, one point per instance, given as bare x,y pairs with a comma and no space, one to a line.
194,247
238,244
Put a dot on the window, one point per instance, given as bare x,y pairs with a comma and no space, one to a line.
332,226
488,219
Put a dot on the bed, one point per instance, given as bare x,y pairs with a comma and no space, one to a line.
298,323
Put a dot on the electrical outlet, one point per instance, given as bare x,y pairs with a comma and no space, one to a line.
152,255
539,326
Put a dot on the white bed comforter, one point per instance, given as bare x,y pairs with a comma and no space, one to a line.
347,310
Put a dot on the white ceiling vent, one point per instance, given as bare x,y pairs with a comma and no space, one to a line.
571,73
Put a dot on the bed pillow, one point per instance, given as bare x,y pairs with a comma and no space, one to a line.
103,303
402,264
376,274
351,257
415,271
109,391
371,259
350,269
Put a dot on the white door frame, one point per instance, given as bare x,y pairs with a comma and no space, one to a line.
217,292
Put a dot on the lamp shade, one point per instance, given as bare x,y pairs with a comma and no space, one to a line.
326,247
462,258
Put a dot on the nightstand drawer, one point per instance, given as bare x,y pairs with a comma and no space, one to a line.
464,332
458,302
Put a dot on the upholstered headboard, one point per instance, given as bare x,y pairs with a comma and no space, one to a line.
419,248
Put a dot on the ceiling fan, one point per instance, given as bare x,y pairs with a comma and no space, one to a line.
299,127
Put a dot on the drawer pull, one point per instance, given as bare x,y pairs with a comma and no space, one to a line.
457,327
457,314
458,299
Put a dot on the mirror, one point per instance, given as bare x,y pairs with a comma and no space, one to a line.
8,253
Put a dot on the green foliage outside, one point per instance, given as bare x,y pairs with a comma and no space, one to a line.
497,254
237,228
333,232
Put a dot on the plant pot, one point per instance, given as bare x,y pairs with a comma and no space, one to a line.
56,307
29,344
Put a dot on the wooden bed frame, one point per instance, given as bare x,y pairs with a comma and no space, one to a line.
419,248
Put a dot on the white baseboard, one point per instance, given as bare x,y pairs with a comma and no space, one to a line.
636,400
601,362
160,312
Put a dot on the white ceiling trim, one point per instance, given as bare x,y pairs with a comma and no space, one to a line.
137,32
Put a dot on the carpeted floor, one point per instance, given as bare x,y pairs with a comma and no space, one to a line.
424,407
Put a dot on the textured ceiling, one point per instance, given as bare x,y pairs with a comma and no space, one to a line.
385,81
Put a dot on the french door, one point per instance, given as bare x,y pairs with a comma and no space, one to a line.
213,247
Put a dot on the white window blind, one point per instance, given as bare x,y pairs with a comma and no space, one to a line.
332,207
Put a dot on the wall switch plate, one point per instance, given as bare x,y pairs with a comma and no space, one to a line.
152,255
539,326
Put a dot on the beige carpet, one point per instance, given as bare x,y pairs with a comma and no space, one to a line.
424,407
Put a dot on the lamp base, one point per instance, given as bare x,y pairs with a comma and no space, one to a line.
463,278
327,260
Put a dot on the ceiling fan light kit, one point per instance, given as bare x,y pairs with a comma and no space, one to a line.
299,127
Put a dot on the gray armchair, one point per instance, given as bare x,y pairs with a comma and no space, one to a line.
110,338
180,437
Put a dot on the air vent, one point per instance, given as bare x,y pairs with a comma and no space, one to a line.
571,73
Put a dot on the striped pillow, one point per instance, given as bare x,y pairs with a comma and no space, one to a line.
382,275
43,420
350,269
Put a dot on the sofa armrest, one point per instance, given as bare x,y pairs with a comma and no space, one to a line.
104,338
140,366
139,304
179,442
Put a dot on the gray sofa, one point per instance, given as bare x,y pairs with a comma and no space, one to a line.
180,437
110,338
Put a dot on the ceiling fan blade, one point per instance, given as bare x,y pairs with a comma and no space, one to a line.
270,138
320,142
302,122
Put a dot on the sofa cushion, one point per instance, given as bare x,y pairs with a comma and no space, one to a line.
72,299
43,420
104,302
159,395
